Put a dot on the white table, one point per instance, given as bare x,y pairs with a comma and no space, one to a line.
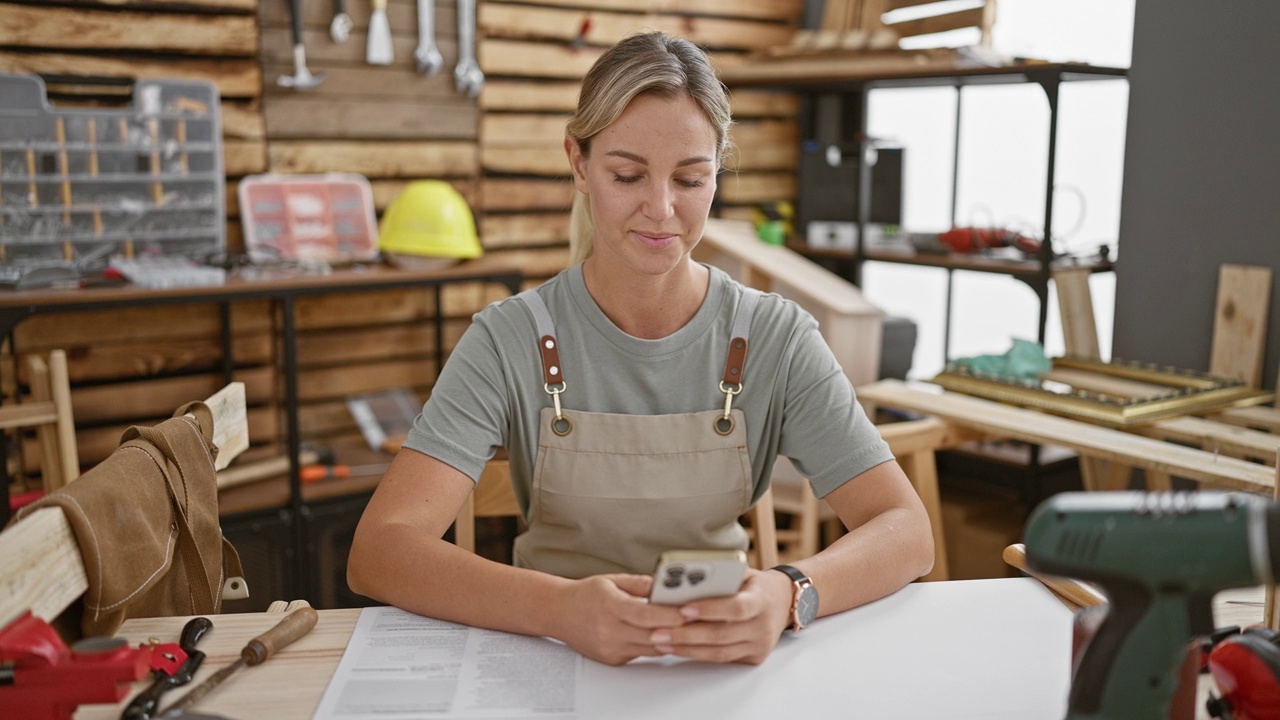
989,649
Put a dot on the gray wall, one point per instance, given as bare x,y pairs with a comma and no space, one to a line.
1201,174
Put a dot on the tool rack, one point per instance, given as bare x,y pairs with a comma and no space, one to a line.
78,186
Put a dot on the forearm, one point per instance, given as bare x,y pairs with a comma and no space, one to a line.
874,560
890,543
432,577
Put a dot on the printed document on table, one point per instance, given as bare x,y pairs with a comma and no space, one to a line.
401,666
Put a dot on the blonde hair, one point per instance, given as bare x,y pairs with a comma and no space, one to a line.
647,63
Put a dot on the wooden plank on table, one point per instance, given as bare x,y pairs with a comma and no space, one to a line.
404,159
539,159
528,96
42,567
33,26
751,187
1075,304
523,194
501,231
969,18
782,10
522,58
159,397
1260,418
522,130
1240,323
603,28
298,116
234,77
835,66
1086,439
1099,383
244,157
1217,437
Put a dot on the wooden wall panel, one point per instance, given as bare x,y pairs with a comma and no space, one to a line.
502,151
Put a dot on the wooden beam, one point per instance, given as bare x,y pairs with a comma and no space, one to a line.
1075,305
1240,323
351,116
781,10
403,159
524,129
851,325
159,397
742,188
521,58
523,22
243,157
234,77
502,231
1088,440
971,18
524,194
520,95
538,159
1216,437
32,26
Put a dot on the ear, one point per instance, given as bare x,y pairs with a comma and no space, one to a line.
577,163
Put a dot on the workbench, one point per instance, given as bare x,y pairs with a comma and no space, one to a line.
989,649
1162,459
288,505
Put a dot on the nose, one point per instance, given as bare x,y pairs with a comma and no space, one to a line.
660,202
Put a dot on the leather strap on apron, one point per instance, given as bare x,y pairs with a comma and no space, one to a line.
612,491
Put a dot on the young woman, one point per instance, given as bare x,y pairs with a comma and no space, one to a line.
643,398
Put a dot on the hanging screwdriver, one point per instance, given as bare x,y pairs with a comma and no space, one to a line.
312,473
295,625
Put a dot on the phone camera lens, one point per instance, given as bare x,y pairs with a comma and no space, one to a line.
696,576
675,574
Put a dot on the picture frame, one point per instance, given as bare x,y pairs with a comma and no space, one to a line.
1117,394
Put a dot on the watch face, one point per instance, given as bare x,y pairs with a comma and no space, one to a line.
807,606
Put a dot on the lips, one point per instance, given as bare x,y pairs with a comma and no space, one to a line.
655,241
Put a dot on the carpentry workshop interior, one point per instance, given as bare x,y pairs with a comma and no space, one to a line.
240,239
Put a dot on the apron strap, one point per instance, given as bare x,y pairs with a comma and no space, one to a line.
736,358
548,347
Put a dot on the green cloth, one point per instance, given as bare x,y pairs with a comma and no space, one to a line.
1025,360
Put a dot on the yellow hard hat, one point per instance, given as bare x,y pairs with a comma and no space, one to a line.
432,219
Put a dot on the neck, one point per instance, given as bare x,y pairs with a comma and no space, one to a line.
648,307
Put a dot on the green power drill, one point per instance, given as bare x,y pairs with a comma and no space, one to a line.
1159,558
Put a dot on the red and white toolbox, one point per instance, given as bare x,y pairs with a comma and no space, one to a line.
309,218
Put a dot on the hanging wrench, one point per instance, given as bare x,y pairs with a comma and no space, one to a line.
467,76
340,28
427,55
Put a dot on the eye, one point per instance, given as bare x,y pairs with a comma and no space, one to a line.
625,179
697,183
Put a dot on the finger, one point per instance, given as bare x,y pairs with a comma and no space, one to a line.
704,633
744,652
736,608
636,585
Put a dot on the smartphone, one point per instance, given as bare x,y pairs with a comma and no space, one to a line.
685,575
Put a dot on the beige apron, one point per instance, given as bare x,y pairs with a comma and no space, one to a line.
612,491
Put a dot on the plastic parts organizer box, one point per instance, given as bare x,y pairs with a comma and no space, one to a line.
317,218
78,186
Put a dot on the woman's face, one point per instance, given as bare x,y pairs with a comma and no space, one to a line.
650,180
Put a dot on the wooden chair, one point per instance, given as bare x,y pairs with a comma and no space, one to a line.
48,410
812,522
493,497
40,561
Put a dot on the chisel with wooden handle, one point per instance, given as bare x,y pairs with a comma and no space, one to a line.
295,625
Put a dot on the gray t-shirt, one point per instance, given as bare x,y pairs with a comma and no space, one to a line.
796,399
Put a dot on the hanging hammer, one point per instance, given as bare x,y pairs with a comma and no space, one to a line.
301,79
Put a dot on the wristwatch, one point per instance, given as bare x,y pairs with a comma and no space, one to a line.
804,599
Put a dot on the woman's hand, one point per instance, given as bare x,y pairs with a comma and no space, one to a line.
609,619
742,628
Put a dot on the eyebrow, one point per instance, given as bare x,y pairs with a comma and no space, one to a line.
636,158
